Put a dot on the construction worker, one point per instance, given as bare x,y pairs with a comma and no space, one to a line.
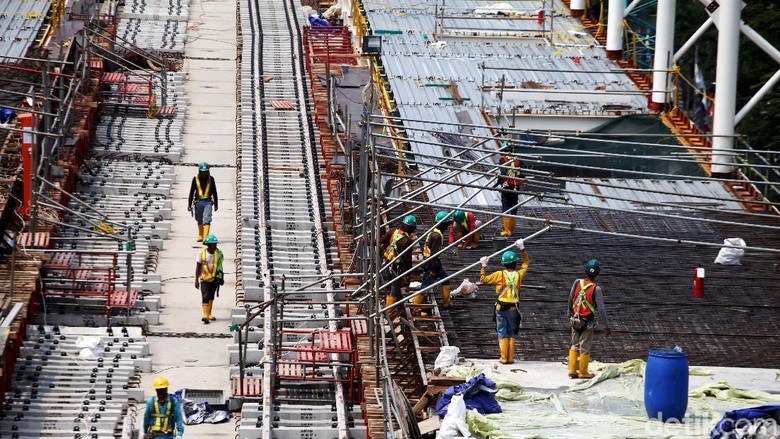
585,301
203,196
507,282
510,183
209,275
464,223
433,268
394,243
163,416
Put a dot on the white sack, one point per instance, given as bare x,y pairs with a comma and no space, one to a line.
466,289
88,342
447,356
454,423
731,256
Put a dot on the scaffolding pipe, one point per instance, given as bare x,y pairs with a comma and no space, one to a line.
615,30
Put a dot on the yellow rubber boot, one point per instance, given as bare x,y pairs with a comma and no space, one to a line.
502,347
445,296
205,318
389,300
206,229
584,359
509,227
200,233
573,355
211,306
418,299
510,354
475,240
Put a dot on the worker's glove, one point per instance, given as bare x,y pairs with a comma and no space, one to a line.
484,261
519,243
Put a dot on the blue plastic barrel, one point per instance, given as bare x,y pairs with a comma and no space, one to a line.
666,384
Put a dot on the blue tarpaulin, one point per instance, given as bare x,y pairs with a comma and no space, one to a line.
737,423
478,393
6,115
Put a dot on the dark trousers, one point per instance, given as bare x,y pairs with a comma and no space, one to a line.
438,273
509,199
208,290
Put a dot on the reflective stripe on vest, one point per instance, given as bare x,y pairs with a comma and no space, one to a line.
583,305
162,421
427,249
510,281
208,274
203,195
513,171
391,252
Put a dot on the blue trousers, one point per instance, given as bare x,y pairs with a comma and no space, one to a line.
438,273
203,211
506,323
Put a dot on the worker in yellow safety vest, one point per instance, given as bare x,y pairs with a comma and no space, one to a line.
434,270
209,275
585,309
393,244
507,313
163,417
203,196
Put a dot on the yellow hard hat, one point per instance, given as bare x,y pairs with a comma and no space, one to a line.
160,383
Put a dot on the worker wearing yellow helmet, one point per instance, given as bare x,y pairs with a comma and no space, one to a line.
163,416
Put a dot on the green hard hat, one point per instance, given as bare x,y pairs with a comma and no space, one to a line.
460,215
211,239
410,221
442,216
508,257
592,267
203,166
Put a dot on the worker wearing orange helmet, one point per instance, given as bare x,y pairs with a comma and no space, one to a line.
163,416
507,313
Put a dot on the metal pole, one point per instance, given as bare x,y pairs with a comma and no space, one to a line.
664,46
725,86
615,30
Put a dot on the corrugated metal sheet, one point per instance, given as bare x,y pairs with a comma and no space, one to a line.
20,22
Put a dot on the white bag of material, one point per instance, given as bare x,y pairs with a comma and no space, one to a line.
466,289
454,423
448,356
731,256
91,354
88,342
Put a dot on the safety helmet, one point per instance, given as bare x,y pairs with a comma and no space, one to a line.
459,215
210,239
508,257
203,167
160,383
410,220
592,267
443,216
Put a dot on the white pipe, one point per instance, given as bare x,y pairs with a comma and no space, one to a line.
726,86
631,7
664,44
767,87
577,8
615,29
692,40
765,45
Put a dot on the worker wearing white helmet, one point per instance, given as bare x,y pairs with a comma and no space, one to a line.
163,417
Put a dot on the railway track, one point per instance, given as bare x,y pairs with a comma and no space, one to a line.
307,358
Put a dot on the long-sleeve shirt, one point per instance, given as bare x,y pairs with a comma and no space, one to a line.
458,229
598,297
212,191
434,245
178,423
497,278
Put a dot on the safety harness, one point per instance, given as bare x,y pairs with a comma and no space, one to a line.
427,249
203,195
391,252
207,274
510,293
162,421
582,301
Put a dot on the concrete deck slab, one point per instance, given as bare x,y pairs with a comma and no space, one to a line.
197,362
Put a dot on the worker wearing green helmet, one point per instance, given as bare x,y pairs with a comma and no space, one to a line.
463,224
394,243
510,183
433,267
507,313
209,275
202,198
585,309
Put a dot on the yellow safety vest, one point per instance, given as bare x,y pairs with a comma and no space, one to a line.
208,274
511,283
162,421
392,250
203,195
427,250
